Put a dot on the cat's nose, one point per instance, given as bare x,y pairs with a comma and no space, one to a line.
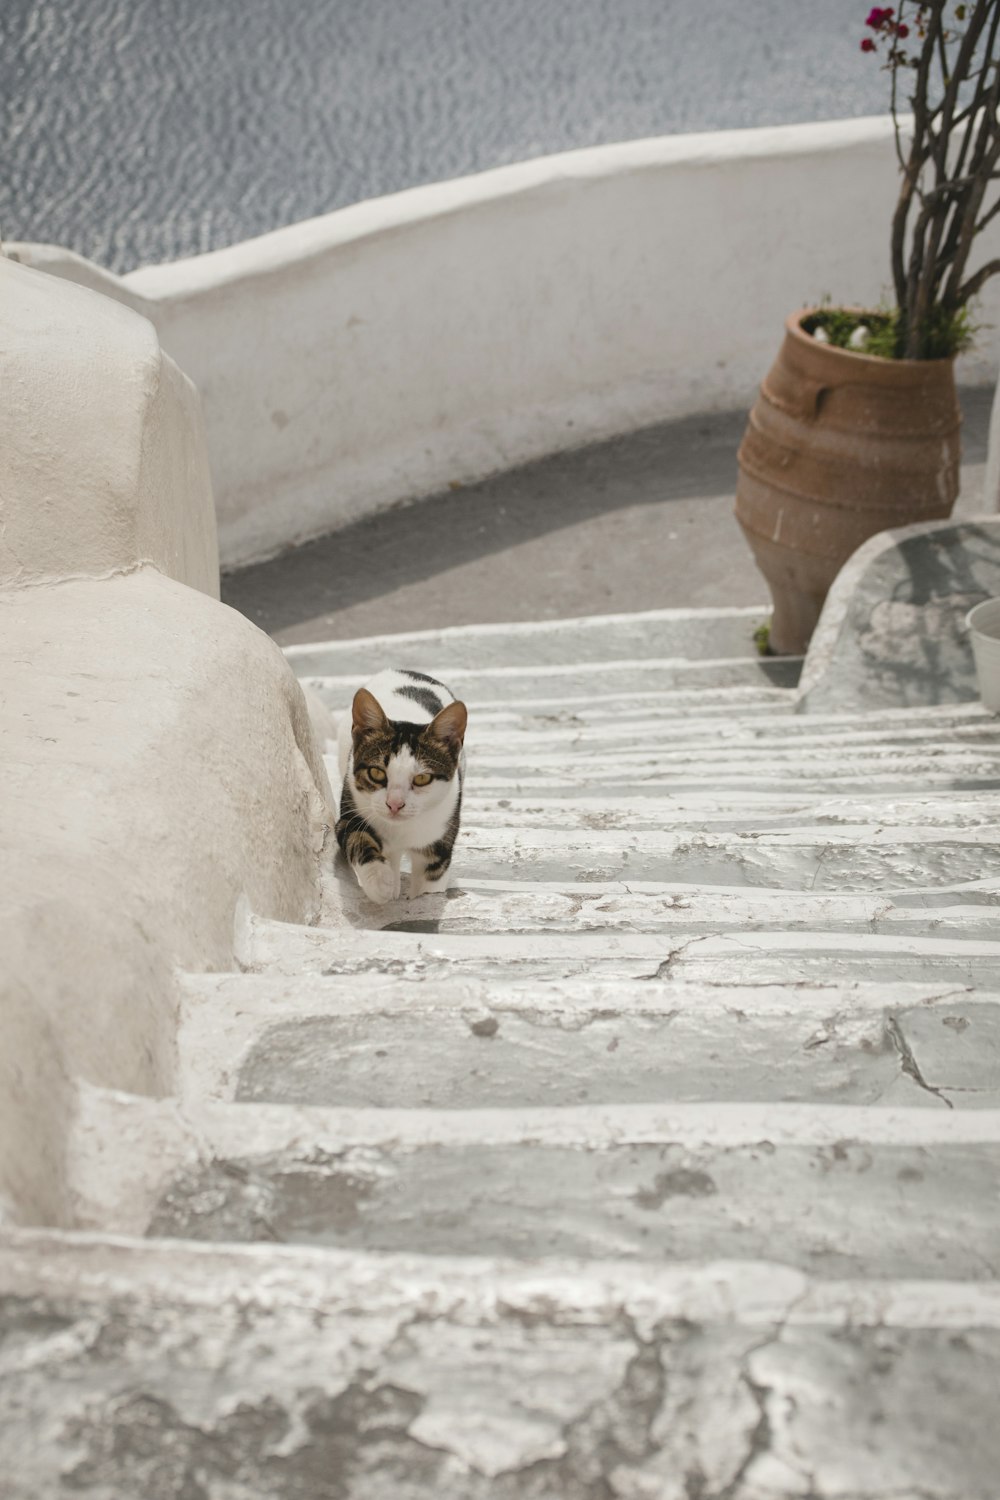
394,802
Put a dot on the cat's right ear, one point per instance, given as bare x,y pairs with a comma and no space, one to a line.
366,712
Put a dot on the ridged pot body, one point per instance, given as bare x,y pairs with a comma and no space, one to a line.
838,447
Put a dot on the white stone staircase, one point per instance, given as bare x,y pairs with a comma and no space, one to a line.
657,1160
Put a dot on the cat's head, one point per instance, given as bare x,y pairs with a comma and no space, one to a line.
402,770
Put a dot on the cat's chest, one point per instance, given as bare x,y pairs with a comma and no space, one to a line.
414,833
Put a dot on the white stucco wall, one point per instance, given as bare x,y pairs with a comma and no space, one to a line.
395,347
157,765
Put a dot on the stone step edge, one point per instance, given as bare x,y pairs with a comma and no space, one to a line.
127,1149
602,766
620,906
266,943
70,1266
109,1117
565,626
923,717
686,889
712,701
223,1017
214,997
870,835
875,729
696,806
556,670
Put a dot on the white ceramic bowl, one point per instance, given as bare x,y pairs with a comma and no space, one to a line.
984,630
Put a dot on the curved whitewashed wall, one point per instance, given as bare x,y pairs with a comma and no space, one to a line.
405,344
159,770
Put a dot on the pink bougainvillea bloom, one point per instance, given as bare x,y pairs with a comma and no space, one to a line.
867,45
878,16
902,30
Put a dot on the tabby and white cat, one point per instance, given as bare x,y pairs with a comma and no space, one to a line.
402,762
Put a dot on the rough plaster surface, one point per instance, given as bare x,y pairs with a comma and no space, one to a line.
133,825
396,347
350,1377
102,459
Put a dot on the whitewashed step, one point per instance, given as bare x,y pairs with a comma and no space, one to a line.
692,634
633,765
602,789
845,857
809,1184
626,753
559,683
521,907
735,809
737,716
647,715
840,779
559,732
483,1380
464,1043
710,705
767,957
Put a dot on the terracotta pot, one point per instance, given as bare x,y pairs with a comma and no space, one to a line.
839,446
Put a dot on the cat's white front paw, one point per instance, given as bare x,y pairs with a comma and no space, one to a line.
378,881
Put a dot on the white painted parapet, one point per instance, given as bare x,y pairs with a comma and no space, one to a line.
401,345
103,465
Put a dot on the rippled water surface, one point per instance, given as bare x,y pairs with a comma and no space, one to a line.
143,130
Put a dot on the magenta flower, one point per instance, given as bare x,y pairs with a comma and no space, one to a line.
878,16
867,45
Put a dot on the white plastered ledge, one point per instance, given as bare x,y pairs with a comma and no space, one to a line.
103,464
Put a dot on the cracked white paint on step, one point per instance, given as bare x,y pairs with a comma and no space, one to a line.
469,1043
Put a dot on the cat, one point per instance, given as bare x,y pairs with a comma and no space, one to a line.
403,763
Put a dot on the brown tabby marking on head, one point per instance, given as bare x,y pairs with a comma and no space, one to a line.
376,739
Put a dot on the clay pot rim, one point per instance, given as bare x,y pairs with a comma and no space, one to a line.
874,362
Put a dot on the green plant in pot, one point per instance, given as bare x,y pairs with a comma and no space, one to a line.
856,428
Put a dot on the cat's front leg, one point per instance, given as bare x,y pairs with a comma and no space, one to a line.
362,848
428,871
377,881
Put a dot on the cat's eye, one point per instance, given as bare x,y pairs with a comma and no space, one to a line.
423,779
377,774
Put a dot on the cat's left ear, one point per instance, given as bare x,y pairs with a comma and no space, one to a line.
449,724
